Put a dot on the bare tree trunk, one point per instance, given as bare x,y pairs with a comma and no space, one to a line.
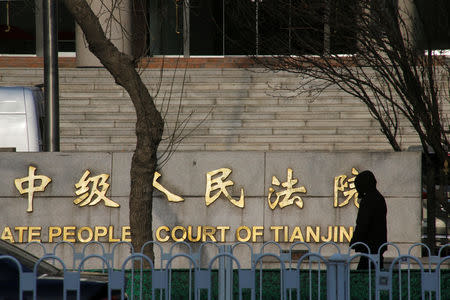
430,175
149,124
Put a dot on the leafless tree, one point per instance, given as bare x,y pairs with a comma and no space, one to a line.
150,121
381,52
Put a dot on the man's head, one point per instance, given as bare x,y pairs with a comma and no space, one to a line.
365,182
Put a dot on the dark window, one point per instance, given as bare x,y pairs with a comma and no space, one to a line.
307,26
435,16
18,28
206,27
166,27
66,29
248,27
240,27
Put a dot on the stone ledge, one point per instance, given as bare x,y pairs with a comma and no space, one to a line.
145,63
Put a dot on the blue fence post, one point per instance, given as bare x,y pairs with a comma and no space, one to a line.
225,274
221,274
337,276
228,274
337,284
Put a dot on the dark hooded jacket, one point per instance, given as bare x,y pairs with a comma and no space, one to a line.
371,226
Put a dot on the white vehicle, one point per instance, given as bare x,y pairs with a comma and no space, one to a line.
20,111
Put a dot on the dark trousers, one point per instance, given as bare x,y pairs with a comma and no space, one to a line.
364,263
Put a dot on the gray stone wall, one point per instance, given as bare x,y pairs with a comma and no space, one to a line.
185,175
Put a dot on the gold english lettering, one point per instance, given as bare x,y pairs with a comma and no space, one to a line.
183,234
111,235
90,234
69,234
310,233
126,234
257,231
21,230
330,235
209,231
198,235
276,232
223,230
7,235
158,234
296,235
344,233
53,232
34,234
248,234
99,231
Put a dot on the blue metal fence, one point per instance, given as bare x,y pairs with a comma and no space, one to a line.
311,276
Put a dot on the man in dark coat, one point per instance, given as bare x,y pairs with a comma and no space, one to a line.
371,227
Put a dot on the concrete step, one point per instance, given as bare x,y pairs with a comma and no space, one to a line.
232,109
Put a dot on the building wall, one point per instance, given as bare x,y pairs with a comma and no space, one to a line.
229,107
227,196
220,109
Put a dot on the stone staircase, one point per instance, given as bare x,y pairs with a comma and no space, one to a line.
220,109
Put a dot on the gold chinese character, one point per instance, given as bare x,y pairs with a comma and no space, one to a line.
218,183
170,197
347,187
97,193
31,187
287,193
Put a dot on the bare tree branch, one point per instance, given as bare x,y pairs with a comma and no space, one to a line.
380,52
149,124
